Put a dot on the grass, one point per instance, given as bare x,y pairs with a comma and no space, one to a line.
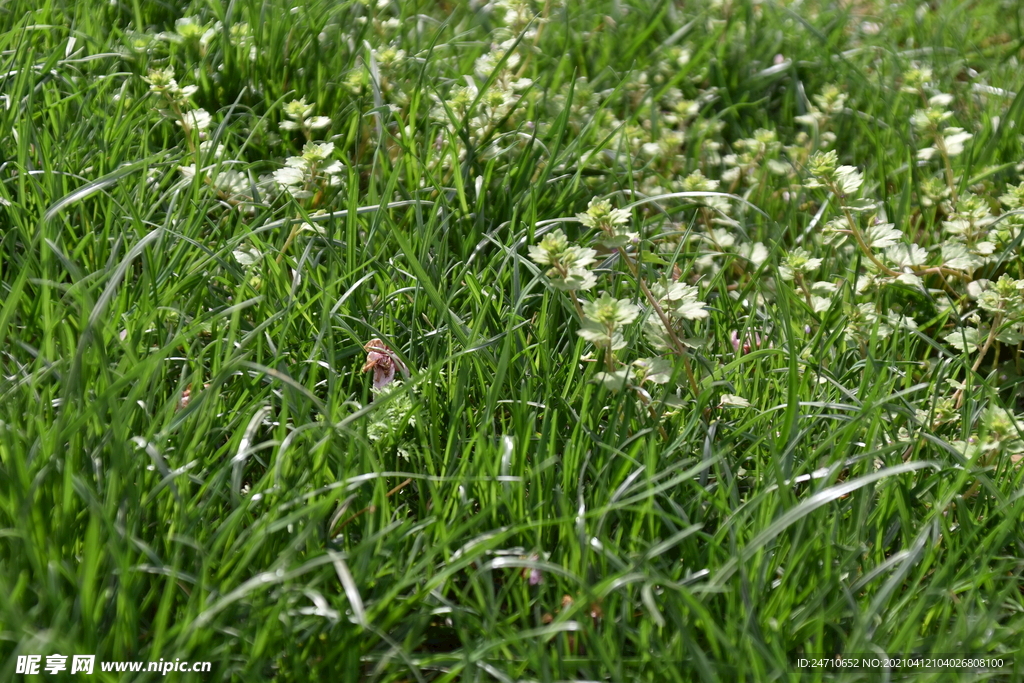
191,462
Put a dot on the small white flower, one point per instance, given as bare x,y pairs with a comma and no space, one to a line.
288,176
232,183
610,311
734,401
954,139
798,261
317,151
849,179
246,256
318,122
196,119
206,145
189,28
298,109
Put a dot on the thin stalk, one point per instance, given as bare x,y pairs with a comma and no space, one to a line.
802,283
859,237
536,37
288,242
609,355
310,186
959,395
576,303
940,144
651,299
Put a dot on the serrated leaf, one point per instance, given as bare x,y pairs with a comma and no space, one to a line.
613,381
691,310
967,339
906,255
656,370
612,241
882,235
956,256
1010,335
909,279
861,205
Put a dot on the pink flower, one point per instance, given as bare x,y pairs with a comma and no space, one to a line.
748,343
383,362
536,577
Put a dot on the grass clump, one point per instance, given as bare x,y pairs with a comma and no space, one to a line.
511,341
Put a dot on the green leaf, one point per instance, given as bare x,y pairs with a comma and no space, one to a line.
967,339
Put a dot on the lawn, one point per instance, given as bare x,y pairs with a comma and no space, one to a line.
551,340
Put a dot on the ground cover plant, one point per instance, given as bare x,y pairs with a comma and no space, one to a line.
512,340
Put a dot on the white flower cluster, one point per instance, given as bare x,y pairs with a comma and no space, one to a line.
720,242
176,101
519,17
568,263
679,302
314,169
609,222
945,141
300,117
751,155
672,304
482,112
484,103
230,184
828,104
1003,304
604,319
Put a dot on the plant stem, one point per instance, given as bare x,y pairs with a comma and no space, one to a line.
996,322
576,303
859,237
940,144
802,283
680,348
288,242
